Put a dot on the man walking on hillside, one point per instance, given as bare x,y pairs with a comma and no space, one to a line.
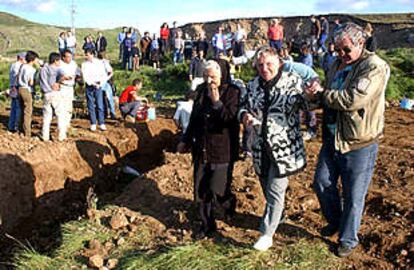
101,43
315,33
120,40
353,100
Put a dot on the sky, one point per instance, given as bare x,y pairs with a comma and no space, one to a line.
148,15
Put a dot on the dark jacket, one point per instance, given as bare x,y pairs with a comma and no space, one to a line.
214,128
101,44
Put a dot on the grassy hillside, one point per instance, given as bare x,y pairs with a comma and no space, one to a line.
17,34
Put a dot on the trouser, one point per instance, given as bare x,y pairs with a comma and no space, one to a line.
322,41
121,51
94,98
26,105
313,44
110,98
129,108
355,169
15,112
53,101
310,120
67,95
276,44
178,56
239,49
127,60
274,190
247,140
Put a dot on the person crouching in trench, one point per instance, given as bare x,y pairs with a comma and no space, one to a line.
213,135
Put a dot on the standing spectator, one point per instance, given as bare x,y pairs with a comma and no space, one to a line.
120,40
178,48
107,88
271,106
136,54
69,72
52,99
275,34
240,41
310,119
329,58
188,47
353,121
173,34
15,110
62,42
229,38
201,43
101,43
128,43
219,42
146,48
213,135
25,81
164,37
155,52
324,33
315,33
89,44
134,34
224,64
197,67
95,77
129,102
71,42
371,42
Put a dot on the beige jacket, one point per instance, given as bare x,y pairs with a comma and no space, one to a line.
361,103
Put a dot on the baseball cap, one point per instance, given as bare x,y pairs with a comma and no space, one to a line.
21,55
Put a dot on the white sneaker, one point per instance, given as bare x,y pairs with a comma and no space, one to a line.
264,243
102,127
93,127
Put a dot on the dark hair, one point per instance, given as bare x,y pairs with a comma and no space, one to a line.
53,57
191,95
90,51
101,55
31,56
136,81
66,51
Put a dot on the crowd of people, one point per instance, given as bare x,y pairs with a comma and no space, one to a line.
268,109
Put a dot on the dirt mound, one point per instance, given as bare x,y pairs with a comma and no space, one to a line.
387,230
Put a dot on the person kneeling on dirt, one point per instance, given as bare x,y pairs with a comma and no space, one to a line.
353,121
129,101
271,105
213,134
52,98
183,111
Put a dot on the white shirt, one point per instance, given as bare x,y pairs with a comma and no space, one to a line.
240,34
71,70
183,112
108,68
94,72
14,70
27,73
71,41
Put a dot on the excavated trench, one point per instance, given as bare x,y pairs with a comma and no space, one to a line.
45,184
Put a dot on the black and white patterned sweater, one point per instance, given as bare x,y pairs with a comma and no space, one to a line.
280,135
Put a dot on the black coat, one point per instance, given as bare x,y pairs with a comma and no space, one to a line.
101,44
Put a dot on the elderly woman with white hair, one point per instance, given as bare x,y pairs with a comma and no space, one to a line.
213,133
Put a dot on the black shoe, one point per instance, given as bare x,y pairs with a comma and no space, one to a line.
344,251
329,230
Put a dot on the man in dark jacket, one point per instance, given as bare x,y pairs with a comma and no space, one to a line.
101,43
213,135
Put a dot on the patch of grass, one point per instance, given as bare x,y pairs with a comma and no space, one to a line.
208,255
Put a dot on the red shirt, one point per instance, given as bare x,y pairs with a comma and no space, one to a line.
164,33
275,32
126,95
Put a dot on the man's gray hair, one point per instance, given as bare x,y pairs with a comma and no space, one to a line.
211,64
351,30
266,49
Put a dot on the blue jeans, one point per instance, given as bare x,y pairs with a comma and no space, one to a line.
276,44
127,60
15,112
94,98
129,108
355,169
110,97
178,56
322,40
274,190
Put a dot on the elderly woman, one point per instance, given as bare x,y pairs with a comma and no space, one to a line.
213,134
271,105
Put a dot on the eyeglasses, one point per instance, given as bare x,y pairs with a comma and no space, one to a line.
345,49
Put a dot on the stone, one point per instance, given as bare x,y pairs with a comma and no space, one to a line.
118,221
96,261
112,263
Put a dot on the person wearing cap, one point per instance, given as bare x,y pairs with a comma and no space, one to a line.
353,101
271,106
15,109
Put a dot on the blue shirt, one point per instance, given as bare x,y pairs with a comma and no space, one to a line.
121,37
306,73
306,59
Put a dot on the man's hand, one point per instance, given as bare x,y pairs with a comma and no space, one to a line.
181,147
312,88
247,119
55,87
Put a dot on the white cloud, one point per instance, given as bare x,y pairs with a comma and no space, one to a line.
43,6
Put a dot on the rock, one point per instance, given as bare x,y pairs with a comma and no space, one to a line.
95,244
103,268
120,241
132,227
118,221
112,263
96,261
